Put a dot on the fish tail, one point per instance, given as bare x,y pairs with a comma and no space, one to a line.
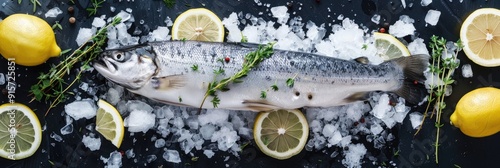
412,89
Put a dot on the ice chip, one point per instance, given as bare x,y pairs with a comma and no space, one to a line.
67,129
56,137
172,156
138,105
402,27
92,143
416,119
53,12
281,13
2,79
139,121
81,109
98,22
150,158
160,143
425,2
216,117
84,34
353,157
376,19
160,34
130,153
432,17
208,153
115,159
207,131
467,71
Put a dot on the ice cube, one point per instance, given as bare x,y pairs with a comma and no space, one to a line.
376,129
139,121
81,109
418,46
354,155
335,139
376,19
92,143
281,13
208,153
416,119
382,107
225,138
98,22
133,105
124,16
113,96
402,27
130,153
67,129
53,12
115,159
56,137
207,131
425,2
231,24
172,156
150,158
160,34
160,143
432,17
215,117
2,79
467,71
84,34
328,130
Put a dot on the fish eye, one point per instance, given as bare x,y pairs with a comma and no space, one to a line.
119,57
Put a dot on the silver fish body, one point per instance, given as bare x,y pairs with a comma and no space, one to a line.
164,71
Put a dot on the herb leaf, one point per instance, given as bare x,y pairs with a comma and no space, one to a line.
290,82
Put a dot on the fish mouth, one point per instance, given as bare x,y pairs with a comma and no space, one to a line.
105,65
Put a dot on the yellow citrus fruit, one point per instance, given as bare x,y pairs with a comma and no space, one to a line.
480,35
109,123
198,24
388,47
27,39
281,134
20,131
477,113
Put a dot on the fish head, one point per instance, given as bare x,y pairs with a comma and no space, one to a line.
131,67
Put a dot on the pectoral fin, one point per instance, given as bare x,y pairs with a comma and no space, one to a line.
359,96
259,105
169,82
362,60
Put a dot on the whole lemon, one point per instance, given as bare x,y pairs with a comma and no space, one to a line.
477,113
27,39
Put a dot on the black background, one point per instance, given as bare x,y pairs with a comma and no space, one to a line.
415,151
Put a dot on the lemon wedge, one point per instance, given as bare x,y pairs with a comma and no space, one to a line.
109,123
388,47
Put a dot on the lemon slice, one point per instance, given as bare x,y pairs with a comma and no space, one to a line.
389,47
281,134
480,35
198,24
20,131
109,123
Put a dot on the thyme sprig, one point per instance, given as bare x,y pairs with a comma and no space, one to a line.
442,67
52,85
96,4
251,60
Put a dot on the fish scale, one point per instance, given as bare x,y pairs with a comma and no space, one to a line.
319,81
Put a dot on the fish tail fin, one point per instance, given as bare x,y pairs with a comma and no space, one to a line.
412,89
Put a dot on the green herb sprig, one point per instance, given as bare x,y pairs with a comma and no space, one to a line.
34,2
169,3
442,68
251,60
51,85
96,4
